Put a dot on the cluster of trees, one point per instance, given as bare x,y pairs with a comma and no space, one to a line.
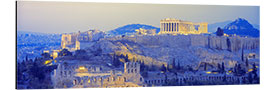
219,32
81,54
34,74
238,70
64,52
116,60
46,55
253,76
173,67
96,52
221,68
78,54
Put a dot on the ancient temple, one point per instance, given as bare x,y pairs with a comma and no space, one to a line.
80,40
174,26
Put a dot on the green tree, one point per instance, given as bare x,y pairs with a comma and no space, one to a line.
219,32
228,44
46,55
178,66
163,68
65,52
173,64
98,52
80,54
222,67
115,61
142,66
126,58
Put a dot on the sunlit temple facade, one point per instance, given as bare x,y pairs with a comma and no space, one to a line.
174,26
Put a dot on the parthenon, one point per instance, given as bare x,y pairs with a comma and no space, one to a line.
174,26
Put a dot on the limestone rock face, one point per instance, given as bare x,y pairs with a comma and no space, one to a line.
185,49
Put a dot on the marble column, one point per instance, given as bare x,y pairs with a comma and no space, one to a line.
167,26
162,27
170,27
177,27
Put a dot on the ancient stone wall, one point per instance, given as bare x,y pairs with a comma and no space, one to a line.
234,43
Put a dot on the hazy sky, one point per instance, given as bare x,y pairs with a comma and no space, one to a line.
65,17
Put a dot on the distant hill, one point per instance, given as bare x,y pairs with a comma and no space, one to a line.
256,26
213,27
26,38
241,27
130,29
32,44
19,32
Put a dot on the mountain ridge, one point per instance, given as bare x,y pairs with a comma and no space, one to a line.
130,29
241,27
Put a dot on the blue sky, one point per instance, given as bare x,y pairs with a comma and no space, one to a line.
65,17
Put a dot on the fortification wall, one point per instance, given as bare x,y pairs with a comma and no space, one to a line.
234,43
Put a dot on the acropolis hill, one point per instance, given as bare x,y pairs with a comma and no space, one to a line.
182,41
185,49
